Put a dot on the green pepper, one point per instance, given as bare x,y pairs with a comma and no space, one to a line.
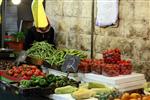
25,83
42,82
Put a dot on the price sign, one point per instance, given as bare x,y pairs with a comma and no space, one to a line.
71,63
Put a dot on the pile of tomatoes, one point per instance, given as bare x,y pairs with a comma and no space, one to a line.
125,67
85,65
110,70
114,66
88,65
24,71
110,65
112,56
97,66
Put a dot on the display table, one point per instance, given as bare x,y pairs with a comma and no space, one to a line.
66,97
122,83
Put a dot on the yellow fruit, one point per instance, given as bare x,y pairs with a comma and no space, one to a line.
146,98
117,99
132,99
125,96
135,96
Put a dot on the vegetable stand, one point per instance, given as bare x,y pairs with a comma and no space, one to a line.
96,78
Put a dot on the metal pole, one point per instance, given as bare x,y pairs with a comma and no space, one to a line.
4,7
92,29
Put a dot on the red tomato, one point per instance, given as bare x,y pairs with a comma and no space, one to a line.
33,70
10,72
25,77
20,68
37,73
29,73
33,67
14,67
15,75
23,73
28,69
17,70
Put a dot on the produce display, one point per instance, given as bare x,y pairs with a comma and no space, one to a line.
40,50
89,65
97,66
111,64
48,81
133,96
111,70
85,65
45,51
97,90
58,56
89,90
125,67
24,71
32,78
38,81
6,64
112,56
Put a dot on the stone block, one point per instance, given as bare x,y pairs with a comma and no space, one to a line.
101,43
111,31
71,8
84,42
85,25
61,38
126,10
86,8
124,44
145,56
54,7
141,11
147,44
138,48
98,56
136,28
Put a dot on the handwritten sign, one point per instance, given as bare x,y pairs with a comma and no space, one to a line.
71,63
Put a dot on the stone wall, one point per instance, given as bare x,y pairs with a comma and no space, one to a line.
72,22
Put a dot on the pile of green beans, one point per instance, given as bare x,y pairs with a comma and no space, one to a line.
59,56
40,50
53,56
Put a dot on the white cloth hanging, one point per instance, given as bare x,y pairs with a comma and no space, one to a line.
107,12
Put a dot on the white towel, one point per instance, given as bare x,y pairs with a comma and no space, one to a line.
107,12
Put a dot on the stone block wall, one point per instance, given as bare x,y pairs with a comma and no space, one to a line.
72,22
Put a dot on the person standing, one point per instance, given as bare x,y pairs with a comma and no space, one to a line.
42,29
